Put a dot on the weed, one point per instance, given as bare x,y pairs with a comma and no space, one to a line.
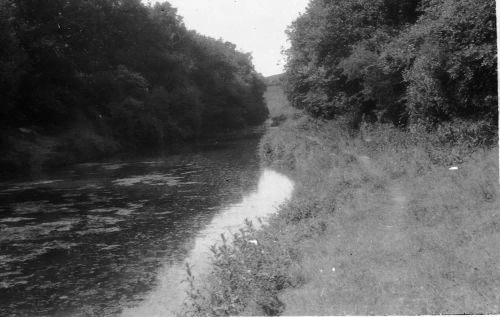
349,189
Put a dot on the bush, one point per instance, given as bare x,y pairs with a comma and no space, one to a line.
246,274
430,61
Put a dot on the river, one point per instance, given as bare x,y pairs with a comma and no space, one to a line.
111,238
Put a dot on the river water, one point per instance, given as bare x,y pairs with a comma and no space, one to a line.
112,238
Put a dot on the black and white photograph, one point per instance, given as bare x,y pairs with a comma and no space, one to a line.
249,158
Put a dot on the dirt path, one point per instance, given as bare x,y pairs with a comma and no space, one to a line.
384,271
390,218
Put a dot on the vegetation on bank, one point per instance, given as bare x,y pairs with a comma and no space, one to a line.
403,62
79,79
327,251
395,160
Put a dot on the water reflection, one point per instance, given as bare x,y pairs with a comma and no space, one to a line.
166,300
97,237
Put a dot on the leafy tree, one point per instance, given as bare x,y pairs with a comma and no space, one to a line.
12,63
452,72
398,61
333,61
131,71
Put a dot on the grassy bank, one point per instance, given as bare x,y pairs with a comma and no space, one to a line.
378,224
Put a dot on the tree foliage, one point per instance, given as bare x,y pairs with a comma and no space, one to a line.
400,61
132,70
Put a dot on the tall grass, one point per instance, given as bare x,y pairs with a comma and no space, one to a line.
316,255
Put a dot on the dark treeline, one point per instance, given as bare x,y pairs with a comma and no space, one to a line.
115,74
408,62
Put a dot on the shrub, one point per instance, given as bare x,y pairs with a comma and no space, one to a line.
248,273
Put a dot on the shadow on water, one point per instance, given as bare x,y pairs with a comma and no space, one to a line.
92,239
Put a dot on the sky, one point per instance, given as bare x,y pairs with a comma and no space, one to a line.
255,26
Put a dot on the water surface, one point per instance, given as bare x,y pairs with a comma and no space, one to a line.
102,238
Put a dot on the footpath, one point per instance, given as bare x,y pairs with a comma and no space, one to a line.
374,261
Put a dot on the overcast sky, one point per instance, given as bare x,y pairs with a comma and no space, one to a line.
256,26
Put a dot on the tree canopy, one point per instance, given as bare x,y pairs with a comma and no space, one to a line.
131,71
404,61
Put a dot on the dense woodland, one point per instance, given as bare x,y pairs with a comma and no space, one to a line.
408,62
106,75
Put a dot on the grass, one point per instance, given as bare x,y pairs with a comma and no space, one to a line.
378,224
439,255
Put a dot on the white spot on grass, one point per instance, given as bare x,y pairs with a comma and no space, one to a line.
453,168
255,242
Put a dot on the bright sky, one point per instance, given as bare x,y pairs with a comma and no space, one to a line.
256,26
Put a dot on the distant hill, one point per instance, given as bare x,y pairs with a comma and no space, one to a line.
274,80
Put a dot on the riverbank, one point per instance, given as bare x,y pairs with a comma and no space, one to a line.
112,230
28,152
382,221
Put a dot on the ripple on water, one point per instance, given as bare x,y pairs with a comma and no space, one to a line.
98,231
90,186
135,206
97,221
27,252
46,182
99,225
104,210
124,212
155,179
106,247
41,206
120,211
15,219
166,299
30,232
29,207
113,167
152,162
163,213
13,188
